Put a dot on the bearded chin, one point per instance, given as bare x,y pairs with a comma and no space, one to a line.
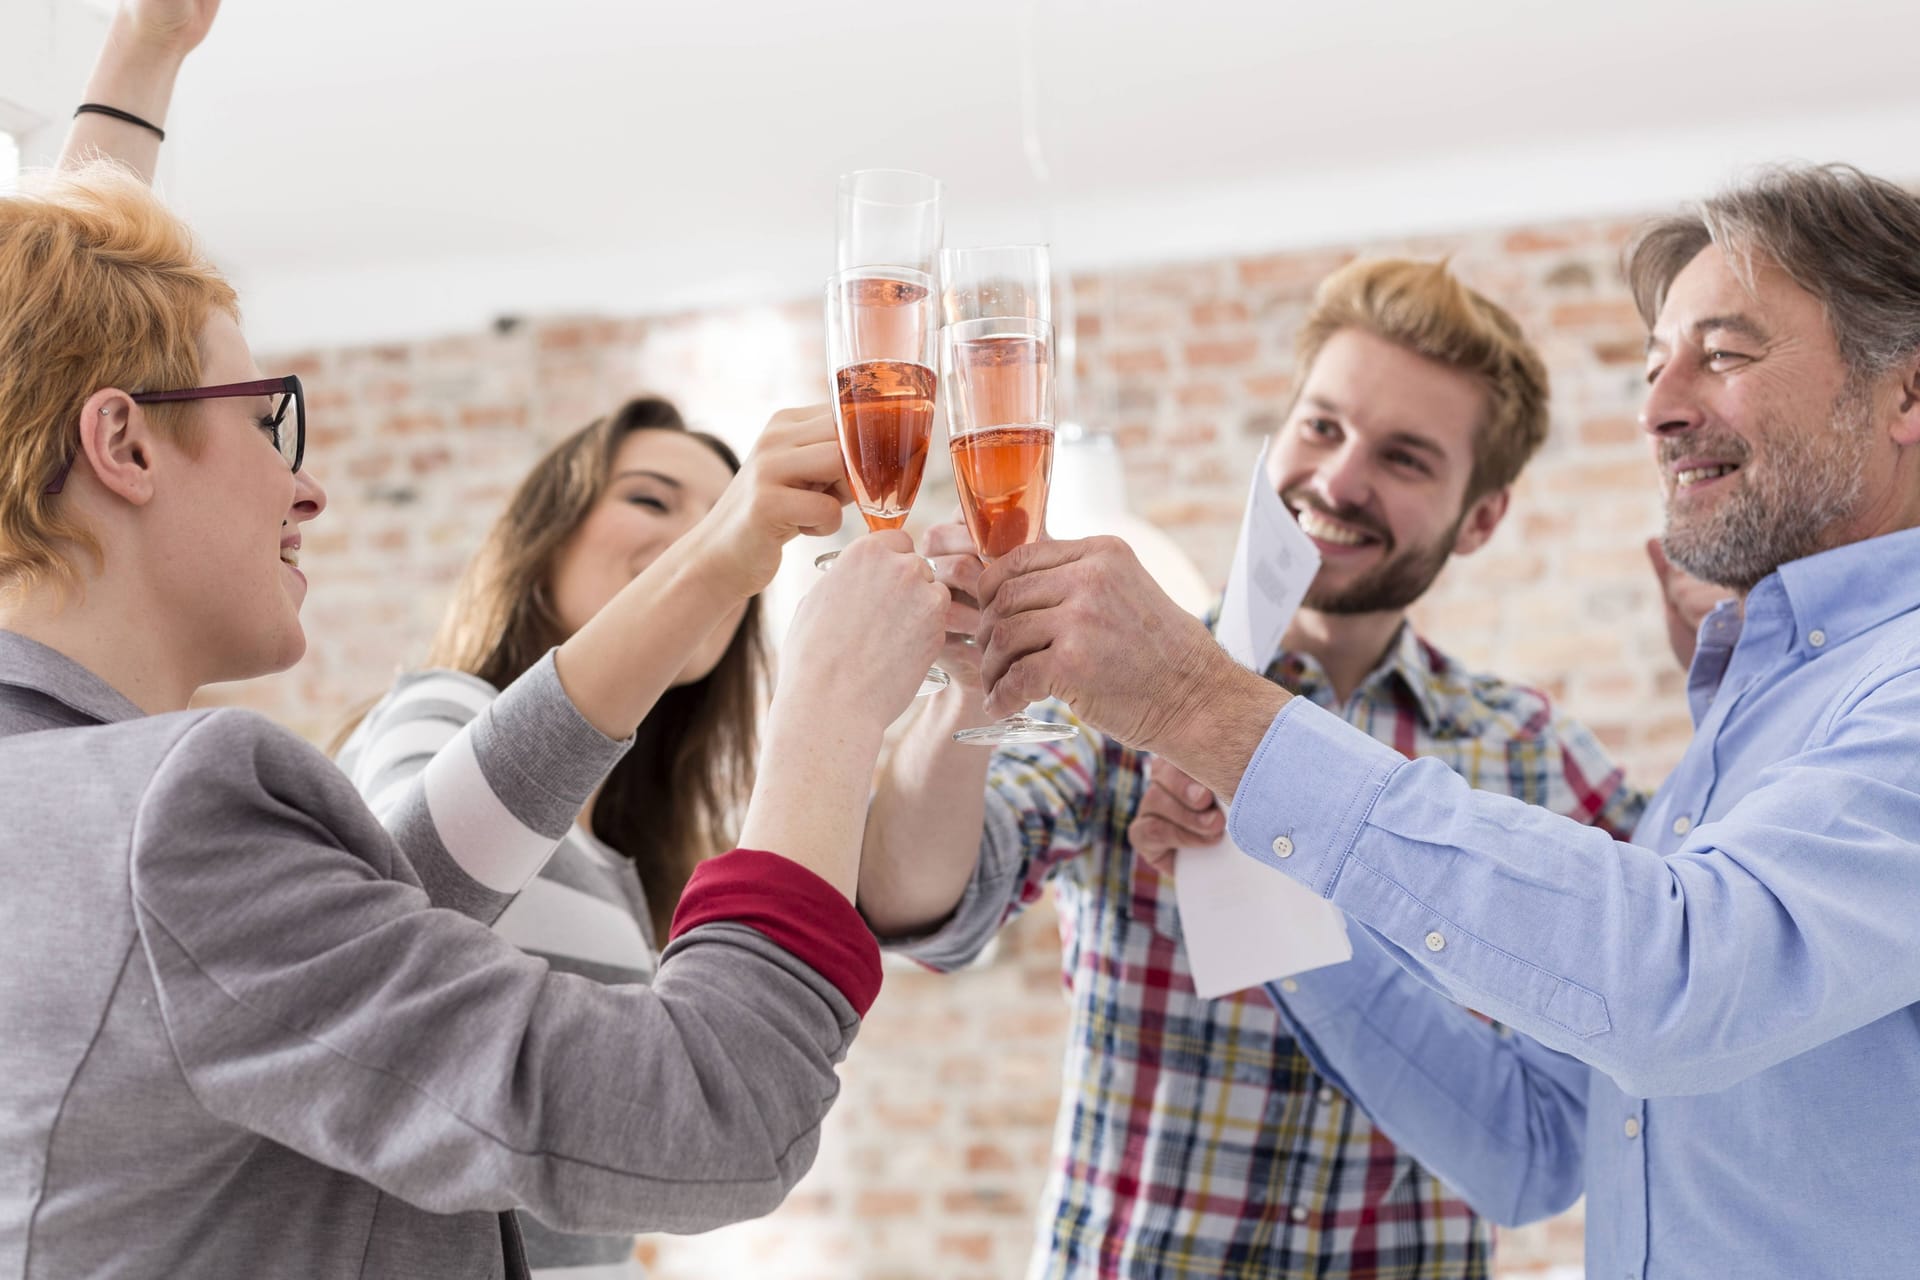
1781,511
1394,585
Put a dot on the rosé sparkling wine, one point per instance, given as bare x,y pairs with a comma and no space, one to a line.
886,421
1002,474
886,317
1003,464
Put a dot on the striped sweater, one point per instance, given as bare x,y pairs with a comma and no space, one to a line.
415,759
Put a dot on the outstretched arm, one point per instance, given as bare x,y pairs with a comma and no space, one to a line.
135,73
489,781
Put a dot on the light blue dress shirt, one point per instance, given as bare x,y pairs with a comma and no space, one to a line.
1718,1040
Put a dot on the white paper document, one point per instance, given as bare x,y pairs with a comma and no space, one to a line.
1246,923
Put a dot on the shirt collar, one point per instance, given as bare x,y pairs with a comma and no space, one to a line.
1837,594
1442,694
28,664
1441,690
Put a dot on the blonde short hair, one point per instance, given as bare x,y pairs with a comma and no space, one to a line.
1423,307
100,286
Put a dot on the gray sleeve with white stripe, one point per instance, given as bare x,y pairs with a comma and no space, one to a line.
478,786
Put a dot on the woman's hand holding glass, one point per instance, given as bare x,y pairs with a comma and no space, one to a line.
792,483
861,640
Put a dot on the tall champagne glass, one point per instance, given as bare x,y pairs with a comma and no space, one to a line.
998,373
880,335
888,224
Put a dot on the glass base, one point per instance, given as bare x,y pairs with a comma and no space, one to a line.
1018,728
825,558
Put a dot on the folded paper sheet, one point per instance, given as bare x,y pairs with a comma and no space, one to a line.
1244,923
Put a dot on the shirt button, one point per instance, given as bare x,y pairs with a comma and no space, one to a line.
1282,847
1633,1126
1816,637
1298,1213
1289,986
1682,825
1435,942
1325,1095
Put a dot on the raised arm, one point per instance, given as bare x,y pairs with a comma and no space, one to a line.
491,783
312,997
617,665
135,73
1769,931
929,800
859,646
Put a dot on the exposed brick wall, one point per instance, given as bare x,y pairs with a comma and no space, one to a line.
934,1159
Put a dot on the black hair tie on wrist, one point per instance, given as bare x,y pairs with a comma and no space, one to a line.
118,114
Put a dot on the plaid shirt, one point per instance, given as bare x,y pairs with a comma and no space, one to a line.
1194,1138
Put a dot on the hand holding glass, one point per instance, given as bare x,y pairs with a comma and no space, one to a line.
880,336
998,374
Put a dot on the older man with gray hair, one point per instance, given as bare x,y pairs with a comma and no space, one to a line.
1721,1019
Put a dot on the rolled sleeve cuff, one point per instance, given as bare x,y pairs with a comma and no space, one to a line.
791,907
1307,792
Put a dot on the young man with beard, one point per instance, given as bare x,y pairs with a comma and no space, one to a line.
1721,1018
1195,1138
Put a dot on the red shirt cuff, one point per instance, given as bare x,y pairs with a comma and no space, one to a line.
791,907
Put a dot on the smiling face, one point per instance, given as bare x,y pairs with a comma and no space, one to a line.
1764,442
223,542
1375,461
660,485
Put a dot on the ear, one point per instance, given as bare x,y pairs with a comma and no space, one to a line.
1905,427
116,443
1482,518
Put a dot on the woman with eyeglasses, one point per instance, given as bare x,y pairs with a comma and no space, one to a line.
248,1032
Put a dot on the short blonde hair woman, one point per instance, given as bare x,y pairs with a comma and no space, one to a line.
250,1033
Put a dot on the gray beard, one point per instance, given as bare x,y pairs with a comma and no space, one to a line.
1783,511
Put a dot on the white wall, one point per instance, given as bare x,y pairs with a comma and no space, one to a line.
46,50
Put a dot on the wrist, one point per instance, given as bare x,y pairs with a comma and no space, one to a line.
815,714
702,572
1220,712
130,43
710,546
136,76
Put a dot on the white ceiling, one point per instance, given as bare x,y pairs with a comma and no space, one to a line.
380,168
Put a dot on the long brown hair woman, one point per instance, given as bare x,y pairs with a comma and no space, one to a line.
598,509
598,502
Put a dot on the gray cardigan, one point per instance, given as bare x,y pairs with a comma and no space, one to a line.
244,1033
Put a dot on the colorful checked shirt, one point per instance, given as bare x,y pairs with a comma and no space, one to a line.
1194,1137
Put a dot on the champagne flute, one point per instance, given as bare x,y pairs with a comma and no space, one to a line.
888,224
998,373
880,337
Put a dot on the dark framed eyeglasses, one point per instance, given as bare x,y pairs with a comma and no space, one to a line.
287,396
